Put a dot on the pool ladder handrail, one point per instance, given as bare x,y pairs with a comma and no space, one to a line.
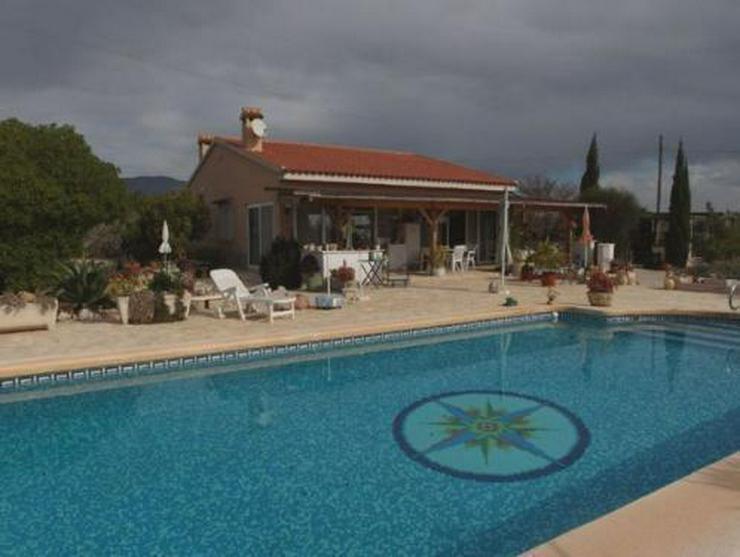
733,290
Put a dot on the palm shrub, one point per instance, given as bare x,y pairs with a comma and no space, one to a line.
83,284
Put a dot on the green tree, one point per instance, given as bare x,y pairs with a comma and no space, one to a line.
590,178
619,222
53,189
187,217
678,237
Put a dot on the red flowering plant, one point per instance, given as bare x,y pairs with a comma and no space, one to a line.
343,274
601,283
132,278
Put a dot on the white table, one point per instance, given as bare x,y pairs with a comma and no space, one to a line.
330,260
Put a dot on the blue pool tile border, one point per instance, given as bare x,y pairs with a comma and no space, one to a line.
24,382
151,367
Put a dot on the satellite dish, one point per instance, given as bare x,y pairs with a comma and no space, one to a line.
258,127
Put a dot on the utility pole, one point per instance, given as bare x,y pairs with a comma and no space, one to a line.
660,172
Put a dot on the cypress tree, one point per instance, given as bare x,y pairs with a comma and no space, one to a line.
590,178
678,237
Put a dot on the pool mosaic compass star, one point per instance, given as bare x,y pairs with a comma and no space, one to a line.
490,435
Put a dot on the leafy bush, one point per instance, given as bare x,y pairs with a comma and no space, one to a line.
726,268
83,285
600,282
187,217
619,223
547,256
53,189
281,267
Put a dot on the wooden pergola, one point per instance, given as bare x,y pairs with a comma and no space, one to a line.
433,206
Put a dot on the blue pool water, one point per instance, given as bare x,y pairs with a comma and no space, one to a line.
484,443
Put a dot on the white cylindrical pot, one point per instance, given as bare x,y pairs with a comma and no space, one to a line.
605,255
122,303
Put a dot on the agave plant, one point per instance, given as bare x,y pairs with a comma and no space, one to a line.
83,284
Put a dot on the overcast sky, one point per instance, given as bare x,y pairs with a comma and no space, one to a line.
516,87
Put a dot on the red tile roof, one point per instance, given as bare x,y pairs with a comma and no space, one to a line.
370,163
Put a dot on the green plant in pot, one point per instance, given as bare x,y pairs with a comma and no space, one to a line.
548,259
83,285
312,278
438,260
600,289
171,290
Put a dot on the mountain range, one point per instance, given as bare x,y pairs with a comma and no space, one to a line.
153,185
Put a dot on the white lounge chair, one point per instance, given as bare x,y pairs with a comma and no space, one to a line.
259,298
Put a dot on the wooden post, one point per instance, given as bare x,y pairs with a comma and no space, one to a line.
433,217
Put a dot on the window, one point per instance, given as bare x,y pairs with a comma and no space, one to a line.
259,229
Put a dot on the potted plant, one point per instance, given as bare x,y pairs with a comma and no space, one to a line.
25,310
312,278
120,288
438,260
548,259
82,286
600,289
171,288
669,281
342,276
527,272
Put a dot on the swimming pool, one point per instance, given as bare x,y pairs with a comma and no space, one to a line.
479,443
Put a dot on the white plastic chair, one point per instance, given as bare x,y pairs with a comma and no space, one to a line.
458,258
471,256
260,298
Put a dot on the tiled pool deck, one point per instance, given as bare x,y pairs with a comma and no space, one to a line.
431,302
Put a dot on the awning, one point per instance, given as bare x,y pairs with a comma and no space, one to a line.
350,198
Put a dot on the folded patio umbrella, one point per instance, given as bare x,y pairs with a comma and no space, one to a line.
586,236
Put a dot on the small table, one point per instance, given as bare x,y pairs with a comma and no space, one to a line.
206,300
373,271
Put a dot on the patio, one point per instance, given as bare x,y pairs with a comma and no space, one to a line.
428,301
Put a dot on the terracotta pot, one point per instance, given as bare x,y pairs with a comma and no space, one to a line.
601,299
549,279
669,283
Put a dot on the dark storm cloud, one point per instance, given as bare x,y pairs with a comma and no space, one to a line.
516,87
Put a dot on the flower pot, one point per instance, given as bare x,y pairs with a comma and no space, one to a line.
601,299
439,271
631,277
31,315
549,279
669,283
122,303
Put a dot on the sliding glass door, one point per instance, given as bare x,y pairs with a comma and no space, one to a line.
259,231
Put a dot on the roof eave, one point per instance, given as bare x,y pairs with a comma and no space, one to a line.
289,176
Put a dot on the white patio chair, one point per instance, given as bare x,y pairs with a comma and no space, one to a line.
458,258
259,298
471,257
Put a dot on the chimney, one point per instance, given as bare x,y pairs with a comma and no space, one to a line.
253,128
204,143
